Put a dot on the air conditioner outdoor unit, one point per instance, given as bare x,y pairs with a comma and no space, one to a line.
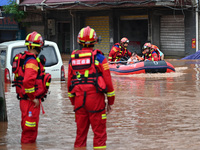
51,26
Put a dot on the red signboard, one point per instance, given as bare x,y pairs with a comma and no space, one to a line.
194,43
7,23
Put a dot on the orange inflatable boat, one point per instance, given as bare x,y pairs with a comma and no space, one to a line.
142,67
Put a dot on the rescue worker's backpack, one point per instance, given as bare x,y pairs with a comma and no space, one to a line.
85,71
42,81
147,56
158,54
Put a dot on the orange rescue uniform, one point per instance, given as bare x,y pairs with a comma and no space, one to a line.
29,124
117,52
88,100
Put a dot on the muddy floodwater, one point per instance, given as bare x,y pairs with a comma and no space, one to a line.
151,112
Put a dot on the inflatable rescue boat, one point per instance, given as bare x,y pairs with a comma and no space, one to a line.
142,67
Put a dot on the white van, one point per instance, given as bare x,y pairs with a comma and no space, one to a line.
53,65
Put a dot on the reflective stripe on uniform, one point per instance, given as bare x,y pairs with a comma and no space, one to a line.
99,147
70,95
30,90
82,55
86,74
104,116
105,66
38,59
16,57
47,83
78,75
30,124
110,94
109,57
115,49
32,66
96,62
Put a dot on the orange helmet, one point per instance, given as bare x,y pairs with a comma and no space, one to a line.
124,40
147,45
34,39
87,36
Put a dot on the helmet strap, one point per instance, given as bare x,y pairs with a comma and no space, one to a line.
85,45
38,49
30,47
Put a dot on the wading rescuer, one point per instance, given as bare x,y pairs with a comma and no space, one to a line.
89,80
31,84
119,50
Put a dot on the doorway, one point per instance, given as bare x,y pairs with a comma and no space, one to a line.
137,33
64,37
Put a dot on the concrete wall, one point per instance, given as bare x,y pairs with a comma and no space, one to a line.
155,21
190,32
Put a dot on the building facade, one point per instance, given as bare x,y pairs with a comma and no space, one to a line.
8,26
172,25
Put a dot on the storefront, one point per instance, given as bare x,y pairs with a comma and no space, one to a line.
8,29
172,30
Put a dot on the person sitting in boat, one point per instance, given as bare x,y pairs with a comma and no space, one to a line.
134,58
161,53
119,50
150,53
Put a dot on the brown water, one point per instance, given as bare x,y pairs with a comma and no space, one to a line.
151,112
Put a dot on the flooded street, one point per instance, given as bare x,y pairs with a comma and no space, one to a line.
151,112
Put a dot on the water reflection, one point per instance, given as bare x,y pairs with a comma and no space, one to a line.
151,111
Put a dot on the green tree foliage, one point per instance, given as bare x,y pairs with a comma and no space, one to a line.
13,9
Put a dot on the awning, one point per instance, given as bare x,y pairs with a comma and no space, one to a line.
95,3
83,2
26,2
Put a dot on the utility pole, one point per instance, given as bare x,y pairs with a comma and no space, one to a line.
197,25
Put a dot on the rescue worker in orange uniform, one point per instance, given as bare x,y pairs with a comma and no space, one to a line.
157,49
150,53
29,104
119,50
89,80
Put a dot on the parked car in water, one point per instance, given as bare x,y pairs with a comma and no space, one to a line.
3,112
53,65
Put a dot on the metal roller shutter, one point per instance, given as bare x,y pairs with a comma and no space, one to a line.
101,25
172,35
199,33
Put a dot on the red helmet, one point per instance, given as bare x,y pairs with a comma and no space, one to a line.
87,36
124,40
34,39
147,45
